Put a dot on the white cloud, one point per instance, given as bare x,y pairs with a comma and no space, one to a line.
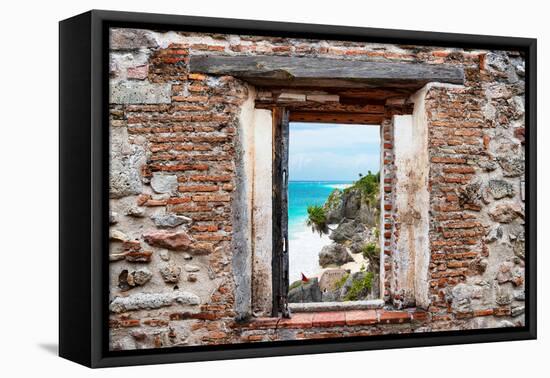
333,152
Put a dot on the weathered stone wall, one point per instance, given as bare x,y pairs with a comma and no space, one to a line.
180,207
477,212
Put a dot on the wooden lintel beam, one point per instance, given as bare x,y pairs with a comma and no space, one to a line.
323,107
347,118
325,72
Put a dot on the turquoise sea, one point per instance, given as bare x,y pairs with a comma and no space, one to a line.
304,245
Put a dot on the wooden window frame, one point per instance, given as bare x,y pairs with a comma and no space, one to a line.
282,116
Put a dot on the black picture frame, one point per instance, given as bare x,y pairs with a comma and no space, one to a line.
83,181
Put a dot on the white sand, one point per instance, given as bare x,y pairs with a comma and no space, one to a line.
304,248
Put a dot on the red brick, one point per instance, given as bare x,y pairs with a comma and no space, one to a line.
502,311
153,202
129,323
298,320
198,188
419,315
196,76
361,317
394,317
447,160
219,178
262,323
155,322
199,99
329,319
199,228
459,170
486,312
183,167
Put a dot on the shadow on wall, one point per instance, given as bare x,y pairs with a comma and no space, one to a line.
52,348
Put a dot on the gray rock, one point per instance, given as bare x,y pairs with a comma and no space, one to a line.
330,278
191,268
512,166
494,234
170,273
461,298
169,220
117,256
136,212
346,231
349,204
140,277
164,183
500,189
503,296
334,254
306,292
330,296
519,246
518,310
368,214
504,273
497,61
128,39
470,194
113,218
505,324
139,92
128,280
187,256
498,91
506,213
489,111
164,255
357,246
125,168
365,293
518,103
479,265
352,203
149,301
118,235
488,165
334,209
113,66
520,69
519,295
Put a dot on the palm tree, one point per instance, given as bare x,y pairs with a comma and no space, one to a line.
317,220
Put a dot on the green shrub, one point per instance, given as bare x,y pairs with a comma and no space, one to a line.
371,251
369,185
295,284
360,287
338,285
333,199
317,219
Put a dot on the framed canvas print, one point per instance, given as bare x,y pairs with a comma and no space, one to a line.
233,188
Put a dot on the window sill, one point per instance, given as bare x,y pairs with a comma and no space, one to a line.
338,318
336,306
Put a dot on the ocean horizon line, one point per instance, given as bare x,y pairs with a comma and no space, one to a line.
342,181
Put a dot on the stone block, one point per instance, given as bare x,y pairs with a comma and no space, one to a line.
129,39
126,92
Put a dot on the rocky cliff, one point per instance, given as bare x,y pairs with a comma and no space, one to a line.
351,261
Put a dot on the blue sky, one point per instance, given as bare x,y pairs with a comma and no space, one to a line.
332,151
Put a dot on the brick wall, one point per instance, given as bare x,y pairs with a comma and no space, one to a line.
175,155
